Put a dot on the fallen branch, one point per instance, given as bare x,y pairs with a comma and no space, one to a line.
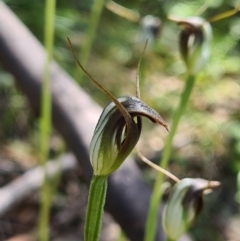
22,187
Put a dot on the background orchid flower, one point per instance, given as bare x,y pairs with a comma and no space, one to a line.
184,205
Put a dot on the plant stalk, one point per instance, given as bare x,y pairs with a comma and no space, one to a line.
45,120
96,201
151,225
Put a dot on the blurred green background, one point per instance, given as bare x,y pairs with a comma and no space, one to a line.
208,140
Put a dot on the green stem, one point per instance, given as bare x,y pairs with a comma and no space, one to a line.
238,188
45,121
89,37
96,201
151,224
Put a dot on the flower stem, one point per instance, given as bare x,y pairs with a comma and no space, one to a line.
96,201
151,224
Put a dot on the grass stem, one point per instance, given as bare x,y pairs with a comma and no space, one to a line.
89,37
45,120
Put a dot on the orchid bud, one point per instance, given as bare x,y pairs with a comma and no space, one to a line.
113,138
195,40
150,28
184,204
